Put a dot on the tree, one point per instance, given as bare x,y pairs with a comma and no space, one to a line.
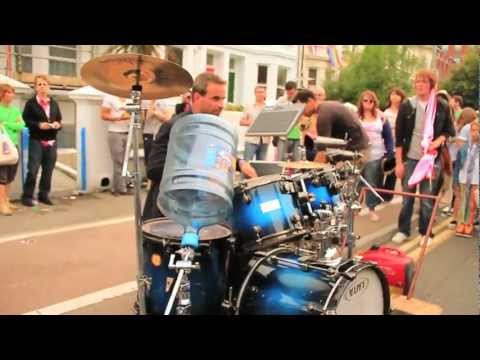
150,50
377,68
465,80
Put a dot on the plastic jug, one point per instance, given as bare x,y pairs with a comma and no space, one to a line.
197,183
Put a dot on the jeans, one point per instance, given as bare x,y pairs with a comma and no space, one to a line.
426,205
257,150
292,147
46,157
118,144
373,175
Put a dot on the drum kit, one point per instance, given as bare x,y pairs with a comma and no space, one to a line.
283,249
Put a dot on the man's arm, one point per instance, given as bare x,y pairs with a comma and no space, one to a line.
161,114
399,139
247,169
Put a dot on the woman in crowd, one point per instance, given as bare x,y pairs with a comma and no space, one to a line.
381,143
12,123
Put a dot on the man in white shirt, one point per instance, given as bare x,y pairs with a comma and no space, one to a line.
255,145
118,126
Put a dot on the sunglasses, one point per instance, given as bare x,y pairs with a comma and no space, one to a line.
368,101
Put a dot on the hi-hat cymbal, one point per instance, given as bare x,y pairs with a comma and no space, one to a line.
116,74
305,165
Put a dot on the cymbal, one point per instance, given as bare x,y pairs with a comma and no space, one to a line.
305,165
116,74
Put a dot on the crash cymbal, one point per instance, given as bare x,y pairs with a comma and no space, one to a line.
116,74
305,165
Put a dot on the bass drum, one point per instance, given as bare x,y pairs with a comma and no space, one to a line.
283,287
161,239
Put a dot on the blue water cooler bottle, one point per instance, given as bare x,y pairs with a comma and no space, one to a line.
197,183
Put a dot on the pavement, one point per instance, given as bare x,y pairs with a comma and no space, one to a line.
79,257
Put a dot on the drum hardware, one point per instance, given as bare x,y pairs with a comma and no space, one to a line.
246,198
181,289
258,230
227,304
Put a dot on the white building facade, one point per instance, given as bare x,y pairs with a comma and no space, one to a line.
242,66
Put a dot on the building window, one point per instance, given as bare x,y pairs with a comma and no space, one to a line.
174,54
210,59
262,74
62,60
312,76
281,80
23,58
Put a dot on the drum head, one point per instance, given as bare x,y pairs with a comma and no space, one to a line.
167,229
365,295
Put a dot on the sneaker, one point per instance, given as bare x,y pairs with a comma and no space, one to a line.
446,210
399,238
429,241
452,225
373,216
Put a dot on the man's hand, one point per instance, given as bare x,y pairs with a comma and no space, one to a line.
247,170
125,116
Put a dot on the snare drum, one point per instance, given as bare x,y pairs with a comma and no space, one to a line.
266,212
162,238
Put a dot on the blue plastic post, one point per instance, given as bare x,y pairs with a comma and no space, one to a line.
24,152
83,159
190,239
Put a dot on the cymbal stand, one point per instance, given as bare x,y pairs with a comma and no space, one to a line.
133,139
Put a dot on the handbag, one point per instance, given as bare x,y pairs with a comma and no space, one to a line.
446,160
8,150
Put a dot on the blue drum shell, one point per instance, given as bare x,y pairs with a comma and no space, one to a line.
269,209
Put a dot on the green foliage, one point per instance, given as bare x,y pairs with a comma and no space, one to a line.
465,80
233,107
378,68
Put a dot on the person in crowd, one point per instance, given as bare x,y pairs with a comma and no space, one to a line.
255,146
381,145
410,131
43,118
11,123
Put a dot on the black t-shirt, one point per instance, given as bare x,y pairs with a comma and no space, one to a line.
335,120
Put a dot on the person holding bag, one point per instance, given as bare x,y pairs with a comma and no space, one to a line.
11,123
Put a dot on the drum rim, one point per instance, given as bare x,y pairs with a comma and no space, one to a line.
342,281
154,237
262,180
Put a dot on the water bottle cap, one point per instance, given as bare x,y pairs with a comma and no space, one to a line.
190,239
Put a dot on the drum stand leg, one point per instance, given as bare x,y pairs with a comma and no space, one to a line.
134,108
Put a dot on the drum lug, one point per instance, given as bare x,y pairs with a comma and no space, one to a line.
246,198
258,231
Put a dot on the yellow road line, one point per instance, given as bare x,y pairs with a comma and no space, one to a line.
410,245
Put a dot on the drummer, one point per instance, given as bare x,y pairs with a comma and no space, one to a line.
208,97
333,120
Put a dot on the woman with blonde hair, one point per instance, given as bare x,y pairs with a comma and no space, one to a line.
381,143
11,123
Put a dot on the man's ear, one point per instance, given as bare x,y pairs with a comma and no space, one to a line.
195,96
